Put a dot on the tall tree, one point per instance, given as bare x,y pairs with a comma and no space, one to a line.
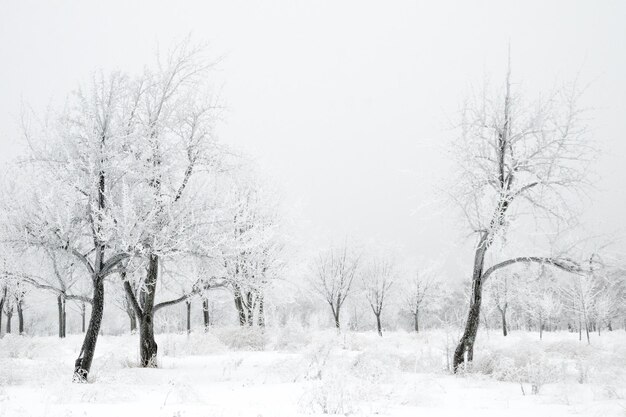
516,158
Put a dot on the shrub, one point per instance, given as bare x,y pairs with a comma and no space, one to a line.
242,338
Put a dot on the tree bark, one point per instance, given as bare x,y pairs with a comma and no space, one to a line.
504,329
378,325
240,308
261,318
82,365
147,345
20,317
466,343
9,318
188,316
62,316
1,312
132,317
250,309
416,323
83,309
205,313
336,316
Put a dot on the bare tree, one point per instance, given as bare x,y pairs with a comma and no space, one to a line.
516,158
580,295
419,288
500,292
377,278
333,274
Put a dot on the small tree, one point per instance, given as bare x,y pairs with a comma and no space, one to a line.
333,274
419,289
377,278
500,293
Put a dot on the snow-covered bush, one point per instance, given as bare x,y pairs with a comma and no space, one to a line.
333,393
242,338
291,337
525,364
376,366
13,346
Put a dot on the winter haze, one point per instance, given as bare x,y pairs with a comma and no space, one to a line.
447,175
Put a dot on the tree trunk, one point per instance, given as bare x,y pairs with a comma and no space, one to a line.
416,323
540,330
82,365
336,316
1,312
188,302
9,318
20,317
378,325
580,331
504,329
205,314
62,316
240,309
261,318
147,345
249,309
132,317
466,343
83,309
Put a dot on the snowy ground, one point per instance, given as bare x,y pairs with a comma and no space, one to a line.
289,372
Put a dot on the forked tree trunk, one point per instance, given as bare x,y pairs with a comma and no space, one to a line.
504,329
205,314
336,317
20,317
466,343
82,365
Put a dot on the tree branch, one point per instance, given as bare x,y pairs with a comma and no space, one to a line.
566,265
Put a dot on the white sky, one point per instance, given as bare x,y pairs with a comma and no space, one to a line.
347,103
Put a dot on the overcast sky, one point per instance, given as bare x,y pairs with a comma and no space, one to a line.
348,104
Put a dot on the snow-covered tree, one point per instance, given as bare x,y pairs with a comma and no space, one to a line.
515,157
377,276
420,292
332,275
